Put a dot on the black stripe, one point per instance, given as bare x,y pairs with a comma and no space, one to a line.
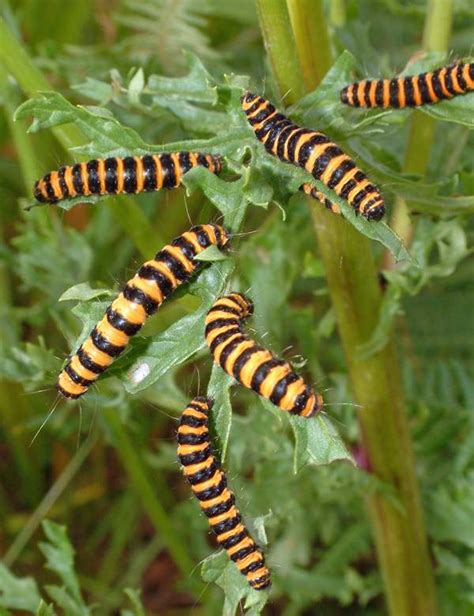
220,508
263,371
301,401
448,82
228,348
185,161
193,439
217,323
243,552
266,111
347,187
376,213
38,194
293,141
344,95
188,250
223,308
226,525
165,284
393,93
49,189
257,564
204,475
111,183
136,295
423,87
269,127
213,491
436,83
104,345
93,177
192,421
169,172
87,362
285,133
129,174
149,173
281,387
379,92
202,236
242,359
323,161
202,161
62,183
76,377
261,583
255,105
307,148
340,172
120,322
173,264
196,456
77,179
276,131
367,92
234,540
222,338
409,91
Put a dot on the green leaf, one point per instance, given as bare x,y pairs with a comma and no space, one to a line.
134,598
223,572
211,254
182,339
18,593
45,610
221,417
59,555
83,292
316,442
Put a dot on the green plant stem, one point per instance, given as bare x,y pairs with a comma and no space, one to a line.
436,35
352,277
337,13
147,492
127,213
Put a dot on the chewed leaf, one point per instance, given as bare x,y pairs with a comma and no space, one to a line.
317,442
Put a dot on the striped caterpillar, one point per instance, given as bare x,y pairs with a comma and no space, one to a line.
209,485
250,364
423,89
141,297
314,152
113,176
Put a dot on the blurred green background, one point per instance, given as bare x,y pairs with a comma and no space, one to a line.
106,468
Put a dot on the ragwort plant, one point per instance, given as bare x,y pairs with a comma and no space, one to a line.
100,466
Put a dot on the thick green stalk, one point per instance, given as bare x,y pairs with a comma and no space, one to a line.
352,278
436,35
147,492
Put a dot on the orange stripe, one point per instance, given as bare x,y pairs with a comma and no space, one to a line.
177,168
159,171
131,311
69,182
416,91
120,178
54,181
95,354
429,83
373,87
140,176
101,174
69,386
81,370
112,335
454,79
401,93
360,93
85,179
442,79
386,93
467,77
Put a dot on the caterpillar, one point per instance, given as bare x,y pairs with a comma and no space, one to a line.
314,152
113,176
141,297
423,89
209,485
312,191
250,364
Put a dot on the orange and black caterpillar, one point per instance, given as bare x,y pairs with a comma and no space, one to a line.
140,298
316,153
209,485
312,191
423,89
252,365
112,176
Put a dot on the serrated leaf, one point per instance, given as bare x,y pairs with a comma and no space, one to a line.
316,442
83,292
223,572
18,593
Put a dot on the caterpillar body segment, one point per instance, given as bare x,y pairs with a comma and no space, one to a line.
250,364
113,176
140,298
314,152
209,485
423,89
312,191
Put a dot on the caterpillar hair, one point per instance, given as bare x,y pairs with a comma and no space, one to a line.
209,485
113,176
140,298
314,152
424,89
250,364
